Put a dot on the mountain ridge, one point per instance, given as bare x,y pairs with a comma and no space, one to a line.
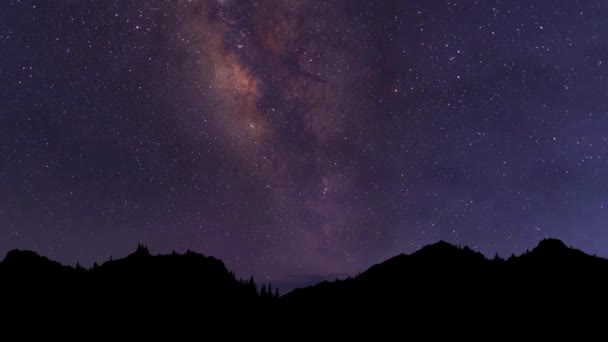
442,281
439,253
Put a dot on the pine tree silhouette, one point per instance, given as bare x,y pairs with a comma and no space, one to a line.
252,286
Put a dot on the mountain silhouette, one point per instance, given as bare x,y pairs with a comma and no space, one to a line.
25,263
452,286
438,283
138,289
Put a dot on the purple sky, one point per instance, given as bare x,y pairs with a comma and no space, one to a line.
299,140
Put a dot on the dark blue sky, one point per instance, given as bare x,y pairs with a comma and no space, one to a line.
301,139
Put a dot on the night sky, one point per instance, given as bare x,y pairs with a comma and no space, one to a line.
299,140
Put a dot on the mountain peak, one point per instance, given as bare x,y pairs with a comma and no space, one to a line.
19,257
551,245
22,259
442,244
438,247
16,254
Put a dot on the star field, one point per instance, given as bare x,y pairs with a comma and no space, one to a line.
298,140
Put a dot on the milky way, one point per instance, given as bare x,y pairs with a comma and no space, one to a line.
301,140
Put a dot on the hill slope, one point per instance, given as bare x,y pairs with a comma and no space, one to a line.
442,280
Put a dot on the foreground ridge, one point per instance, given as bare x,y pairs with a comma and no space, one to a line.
438,280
